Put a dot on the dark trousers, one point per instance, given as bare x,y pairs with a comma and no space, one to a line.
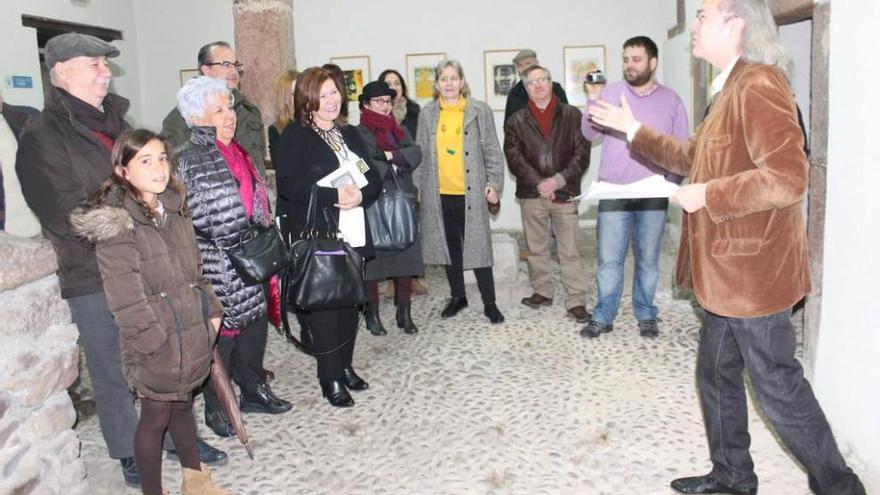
765,347
114,401
453,226
333,336
243,358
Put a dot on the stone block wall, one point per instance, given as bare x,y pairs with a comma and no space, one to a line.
39,451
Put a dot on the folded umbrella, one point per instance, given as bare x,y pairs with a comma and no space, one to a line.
228,401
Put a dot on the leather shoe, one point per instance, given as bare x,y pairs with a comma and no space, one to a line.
648,328
353,381
336,393
707,484
493,313
219,423
263,400
594,329
536,300
455,305
580,314
130,472
207,454
371,318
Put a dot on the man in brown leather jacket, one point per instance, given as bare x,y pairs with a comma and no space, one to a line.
548,155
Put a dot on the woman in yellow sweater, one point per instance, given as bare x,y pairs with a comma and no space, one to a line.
461,174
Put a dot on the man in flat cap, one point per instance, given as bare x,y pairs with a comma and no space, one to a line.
63,156
518,98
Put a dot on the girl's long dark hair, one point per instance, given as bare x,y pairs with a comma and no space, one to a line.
124,150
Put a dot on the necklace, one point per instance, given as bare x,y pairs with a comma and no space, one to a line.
332,136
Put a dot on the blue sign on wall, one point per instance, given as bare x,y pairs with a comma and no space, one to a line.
23,82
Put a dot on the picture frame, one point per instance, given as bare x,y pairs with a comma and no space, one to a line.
420,75
577,61
500,76
187,74
356,70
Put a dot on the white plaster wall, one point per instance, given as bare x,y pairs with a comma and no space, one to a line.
170,33
19,55
387,30
847,376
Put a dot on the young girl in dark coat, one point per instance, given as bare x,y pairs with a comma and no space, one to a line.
166,310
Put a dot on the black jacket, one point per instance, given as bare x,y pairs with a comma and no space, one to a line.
219,218
411,119
303,159
18,117
60,163
532,158
518,99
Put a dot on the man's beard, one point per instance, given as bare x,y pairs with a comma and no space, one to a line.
639,79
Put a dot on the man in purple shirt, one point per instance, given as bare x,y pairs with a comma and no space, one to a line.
639,219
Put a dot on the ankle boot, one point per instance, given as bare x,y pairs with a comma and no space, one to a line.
200,483
404,318
336,393
371,318
454,305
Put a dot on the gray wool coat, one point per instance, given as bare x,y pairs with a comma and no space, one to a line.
484,166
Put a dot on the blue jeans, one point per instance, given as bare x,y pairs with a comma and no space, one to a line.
620,220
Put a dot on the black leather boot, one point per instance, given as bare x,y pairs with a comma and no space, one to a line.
262,400
371,318
352,381
454,305
219,423
404,319
336,393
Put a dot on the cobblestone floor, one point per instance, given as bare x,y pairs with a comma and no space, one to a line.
465,407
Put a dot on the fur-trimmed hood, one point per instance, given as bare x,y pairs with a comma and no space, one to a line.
101,223
117,215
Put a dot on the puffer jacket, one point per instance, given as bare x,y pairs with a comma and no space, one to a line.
219,218
532,158
162,303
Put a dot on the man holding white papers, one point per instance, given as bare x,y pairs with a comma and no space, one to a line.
639,219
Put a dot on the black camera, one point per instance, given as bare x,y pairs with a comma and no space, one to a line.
596,77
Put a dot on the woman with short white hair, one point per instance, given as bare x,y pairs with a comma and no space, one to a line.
226,195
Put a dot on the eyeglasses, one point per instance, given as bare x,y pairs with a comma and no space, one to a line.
238,66
382,101
536,81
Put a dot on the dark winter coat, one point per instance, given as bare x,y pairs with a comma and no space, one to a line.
303,159
411,119
406,263
250,131
532,158
162,303
219,218
18,117
60,163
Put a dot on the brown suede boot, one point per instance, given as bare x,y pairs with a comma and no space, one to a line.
200,483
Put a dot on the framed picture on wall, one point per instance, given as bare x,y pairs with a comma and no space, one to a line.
500,75
577,61
187,74
420,75
356,69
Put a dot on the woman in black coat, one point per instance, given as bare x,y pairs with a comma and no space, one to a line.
310,148
395,155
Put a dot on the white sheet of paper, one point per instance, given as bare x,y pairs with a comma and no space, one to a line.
347,173
352,226
654,186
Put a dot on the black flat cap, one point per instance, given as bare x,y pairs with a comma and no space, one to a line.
66,46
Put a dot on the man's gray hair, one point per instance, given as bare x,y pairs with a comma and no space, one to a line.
760,39
534,68
193,96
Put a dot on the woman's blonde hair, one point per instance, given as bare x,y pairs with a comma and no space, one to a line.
465,90
284,98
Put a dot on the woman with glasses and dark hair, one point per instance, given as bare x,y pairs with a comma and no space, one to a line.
462,173
395,156
311,147
405,111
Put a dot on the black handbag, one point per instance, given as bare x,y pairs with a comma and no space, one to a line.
325,272
392,218
259,254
